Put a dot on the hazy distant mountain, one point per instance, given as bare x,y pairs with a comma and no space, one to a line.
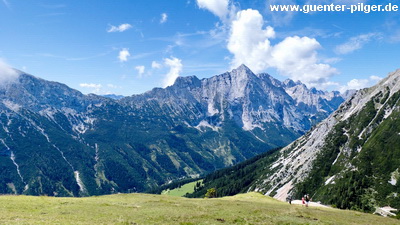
56,141
113,96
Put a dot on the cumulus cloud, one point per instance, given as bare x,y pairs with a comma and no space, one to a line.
175,68
249,42
120,28
295,57
164,18
219,8
7,74
357,84
140,70
123,55
155,65
355,43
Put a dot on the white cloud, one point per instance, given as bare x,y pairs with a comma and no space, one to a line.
355,43
7,74
175,68
357,84
96,88
219,8
375,78
155,65
249,42
332,60
295,57
91,85
123,55
140,70
164,18
120,28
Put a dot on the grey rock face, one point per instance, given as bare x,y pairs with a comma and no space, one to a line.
57,141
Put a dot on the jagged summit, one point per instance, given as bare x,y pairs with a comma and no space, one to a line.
289,83
57,141
243,67
241,74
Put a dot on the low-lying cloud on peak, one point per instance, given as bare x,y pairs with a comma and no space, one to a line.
7,74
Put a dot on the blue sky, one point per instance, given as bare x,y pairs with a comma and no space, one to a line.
128,46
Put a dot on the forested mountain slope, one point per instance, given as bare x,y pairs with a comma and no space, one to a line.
56,141
350,160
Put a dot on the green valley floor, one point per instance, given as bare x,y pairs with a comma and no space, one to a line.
250,208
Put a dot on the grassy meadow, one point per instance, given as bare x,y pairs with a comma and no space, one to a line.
250,208
181,191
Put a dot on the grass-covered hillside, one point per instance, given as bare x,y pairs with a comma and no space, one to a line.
250,208
183,190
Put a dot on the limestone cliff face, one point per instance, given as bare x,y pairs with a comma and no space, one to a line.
57,141
355,149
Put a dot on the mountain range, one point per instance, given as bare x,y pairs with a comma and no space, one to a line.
350,160
56,141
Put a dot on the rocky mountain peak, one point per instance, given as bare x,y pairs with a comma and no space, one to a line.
243,67
289,83
242,73
189,128
392,81
188,81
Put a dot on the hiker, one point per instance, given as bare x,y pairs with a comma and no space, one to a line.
307,198
303,200
289,199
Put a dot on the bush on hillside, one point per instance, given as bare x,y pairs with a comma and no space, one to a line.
211,193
